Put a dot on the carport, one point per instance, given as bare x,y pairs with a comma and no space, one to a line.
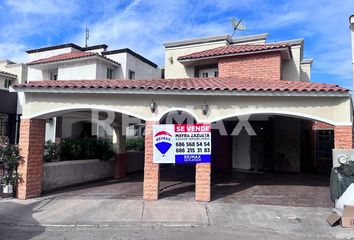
207,100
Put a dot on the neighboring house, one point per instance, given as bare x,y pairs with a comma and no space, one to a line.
72,62
10,109
216,80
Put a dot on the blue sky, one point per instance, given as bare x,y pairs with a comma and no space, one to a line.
144,25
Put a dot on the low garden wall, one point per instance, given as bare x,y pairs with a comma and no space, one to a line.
66,173
60,174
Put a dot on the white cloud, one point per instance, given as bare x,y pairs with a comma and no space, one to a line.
42,7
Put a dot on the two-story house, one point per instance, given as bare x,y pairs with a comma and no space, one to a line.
308,144
257,96
10,111
71,62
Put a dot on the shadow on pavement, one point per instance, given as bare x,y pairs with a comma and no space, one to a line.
17,220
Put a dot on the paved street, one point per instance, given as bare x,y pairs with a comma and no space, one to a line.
248,206
87,217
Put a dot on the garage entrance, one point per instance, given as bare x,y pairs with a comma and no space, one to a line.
282,160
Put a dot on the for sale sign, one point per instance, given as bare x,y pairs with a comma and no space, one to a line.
182,143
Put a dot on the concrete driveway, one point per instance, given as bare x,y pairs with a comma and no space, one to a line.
279,189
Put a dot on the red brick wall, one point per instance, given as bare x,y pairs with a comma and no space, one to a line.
151,170
31,144
265,65
322,125
203,182
343,137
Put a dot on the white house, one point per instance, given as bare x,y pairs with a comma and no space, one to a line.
10,109
72,62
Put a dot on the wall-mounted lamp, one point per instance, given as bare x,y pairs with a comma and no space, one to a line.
49,120
205,109
153,106
171,60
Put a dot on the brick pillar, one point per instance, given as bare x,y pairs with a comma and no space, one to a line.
31,144
343,137
119,142
203,182
151,170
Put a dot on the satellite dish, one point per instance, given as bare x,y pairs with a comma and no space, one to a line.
237,25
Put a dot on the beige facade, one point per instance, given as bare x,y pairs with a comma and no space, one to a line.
333,109
18,69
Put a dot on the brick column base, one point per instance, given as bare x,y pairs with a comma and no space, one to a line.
343,137
31,145
203,182
120,170
151,170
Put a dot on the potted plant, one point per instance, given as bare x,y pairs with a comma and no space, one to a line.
10,158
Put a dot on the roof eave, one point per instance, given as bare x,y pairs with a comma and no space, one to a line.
9,75
285,53
99,57
183,92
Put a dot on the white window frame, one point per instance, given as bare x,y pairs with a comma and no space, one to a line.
110,73
131,74
53,75
7,83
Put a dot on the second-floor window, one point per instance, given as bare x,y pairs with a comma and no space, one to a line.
209,72
131,74
7,83
54,75
109,73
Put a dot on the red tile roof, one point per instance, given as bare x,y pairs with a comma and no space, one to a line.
201,84
67,56
9,74
234,49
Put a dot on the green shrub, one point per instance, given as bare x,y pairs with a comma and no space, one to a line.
79,149
51,151
135,144
10,158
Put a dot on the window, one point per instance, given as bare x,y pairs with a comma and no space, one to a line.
7,83
131,74
54,75
109,73
206,71
4,122
325,144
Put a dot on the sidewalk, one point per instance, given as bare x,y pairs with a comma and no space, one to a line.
81,211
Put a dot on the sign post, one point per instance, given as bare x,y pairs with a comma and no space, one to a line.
182,143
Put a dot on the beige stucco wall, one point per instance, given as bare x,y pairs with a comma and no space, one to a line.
333,110
178,70
18,69
291,68
305,72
